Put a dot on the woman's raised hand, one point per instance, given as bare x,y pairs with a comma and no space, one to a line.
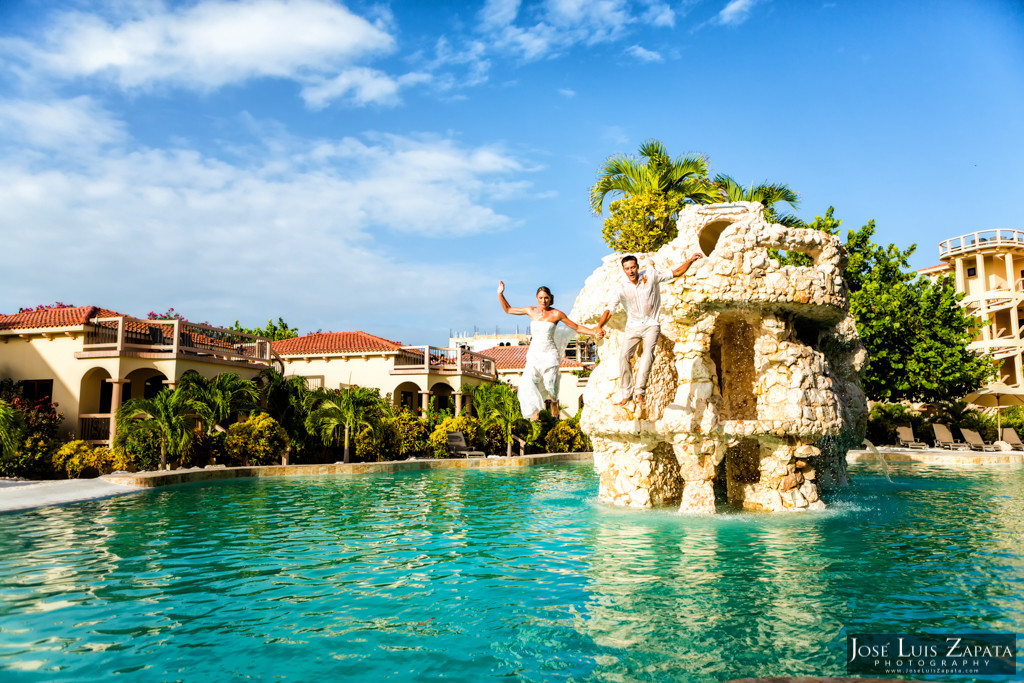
501,286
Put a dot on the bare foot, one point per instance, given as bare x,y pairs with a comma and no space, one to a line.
535,417
640,398
623,402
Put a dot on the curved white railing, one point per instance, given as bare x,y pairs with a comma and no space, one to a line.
980,239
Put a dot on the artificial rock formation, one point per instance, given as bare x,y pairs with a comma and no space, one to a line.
755,383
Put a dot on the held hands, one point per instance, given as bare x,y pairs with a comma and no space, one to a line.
599,332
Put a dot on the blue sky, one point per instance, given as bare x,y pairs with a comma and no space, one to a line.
379,166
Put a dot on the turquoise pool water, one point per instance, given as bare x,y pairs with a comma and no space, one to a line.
486,575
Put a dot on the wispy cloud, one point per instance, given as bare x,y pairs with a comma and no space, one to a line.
208,45
736,12
285,215
567,93
643,54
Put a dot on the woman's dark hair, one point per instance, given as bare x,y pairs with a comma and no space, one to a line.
546,291
630,258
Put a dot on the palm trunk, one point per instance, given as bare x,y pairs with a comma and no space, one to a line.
163,455
346,444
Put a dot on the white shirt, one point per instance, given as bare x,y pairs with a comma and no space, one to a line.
641,301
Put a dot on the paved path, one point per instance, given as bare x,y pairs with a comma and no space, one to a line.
22,495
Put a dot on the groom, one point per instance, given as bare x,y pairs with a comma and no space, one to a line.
640,295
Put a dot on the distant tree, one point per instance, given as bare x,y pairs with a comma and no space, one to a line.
498,405
273,331
225,396
284,399
766,194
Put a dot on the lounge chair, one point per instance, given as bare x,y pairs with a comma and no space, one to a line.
457,446
905,438
944,438
975,441
1010,437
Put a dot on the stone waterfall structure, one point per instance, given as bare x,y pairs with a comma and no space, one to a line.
755,384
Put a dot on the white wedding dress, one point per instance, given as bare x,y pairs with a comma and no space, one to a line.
540,376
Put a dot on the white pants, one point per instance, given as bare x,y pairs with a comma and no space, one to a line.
649,336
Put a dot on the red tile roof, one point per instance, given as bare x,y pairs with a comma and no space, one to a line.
514,358
52,317
334,342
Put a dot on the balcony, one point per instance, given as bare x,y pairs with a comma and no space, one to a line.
131,337
434,360
982,239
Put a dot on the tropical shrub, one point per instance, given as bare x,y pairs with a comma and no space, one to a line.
567,437
414,436
206,448
469,426
884,418
136,449
641,223
33,432
494,439
81,459
260,440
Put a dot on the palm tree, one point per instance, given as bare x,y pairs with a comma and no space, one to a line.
226,395
685,177
335,416
11,424
284,399
171,415
765,194
497,404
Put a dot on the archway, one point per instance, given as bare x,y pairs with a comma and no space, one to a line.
407,396
144,383
442,394
94,395
709,234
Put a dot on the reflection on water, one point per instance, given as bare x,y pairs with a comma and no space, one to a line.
509,574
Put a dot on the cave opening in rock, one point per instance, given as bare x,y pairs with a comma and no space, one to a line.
732,350
709,234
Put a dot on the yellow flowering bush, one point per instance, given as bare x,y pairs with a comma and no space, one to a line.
76,458
469,426
260,440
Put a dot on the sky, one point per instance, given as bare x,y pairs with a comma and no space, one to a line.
380,166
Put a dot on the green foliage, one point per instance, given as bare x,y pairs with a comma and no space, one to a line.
496,404
260,440
273,331
225,396
137,448
172,415
884,418
916,336
414,436
206,449
469,426
31,428
285,399
81,459
335,416
682,177
567,437
766,194
642,222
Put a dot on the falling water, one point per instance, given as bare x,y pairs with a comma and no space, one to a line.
880,458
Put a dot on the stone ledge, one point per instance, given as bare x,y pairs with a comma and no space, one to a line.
934,456
186,476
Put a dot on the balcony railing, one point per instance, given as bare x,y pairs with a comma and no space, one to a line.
95,428
979,240
443,361
132,336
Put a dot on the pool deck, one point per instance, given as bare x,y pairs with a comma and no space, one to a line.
24,495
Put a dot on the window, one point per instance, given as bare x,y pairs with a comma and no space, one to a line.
36,390
971,272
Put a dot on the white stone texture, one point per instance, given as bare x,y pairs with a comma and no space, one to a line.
758,365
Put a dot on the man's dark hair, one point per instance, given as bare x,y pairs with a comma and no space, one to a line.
630,258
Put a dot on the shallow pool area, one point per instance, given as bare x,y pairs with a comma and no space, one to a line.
497,574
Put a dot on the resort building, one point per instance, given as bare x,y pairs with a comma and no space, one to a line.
987,266
412,375
89,360
582,349
511,360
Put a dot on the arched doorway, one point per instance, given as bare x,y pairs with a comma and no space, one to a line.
95,411
442,395
144,383
407,396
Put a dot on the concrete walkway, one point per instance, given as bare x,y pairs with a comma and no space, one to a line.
22,495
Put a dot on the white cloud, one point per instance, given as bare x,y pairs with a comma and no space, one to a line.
360,85
496,13
567,93
556,25
644,55
293,225
64,124
736,12
206,45
659,14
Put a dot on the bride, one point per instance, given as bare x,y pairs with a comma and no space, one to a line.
540,376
